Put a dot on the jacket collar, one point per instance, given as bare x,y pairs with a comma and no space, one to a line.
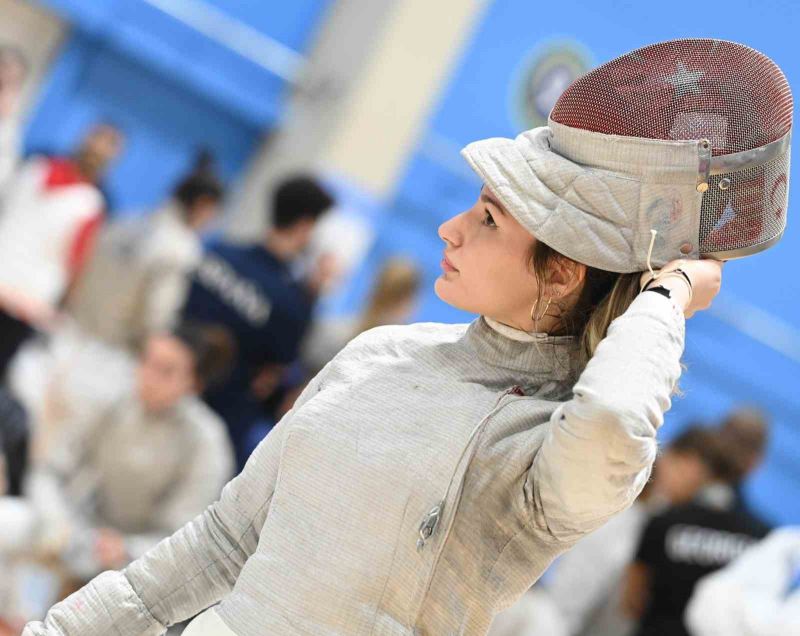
548,357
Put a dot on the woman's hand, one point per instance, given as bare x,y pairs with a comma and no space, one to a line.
706,277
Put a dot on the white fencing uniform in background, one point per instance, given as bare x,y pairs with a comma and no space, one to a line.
758,594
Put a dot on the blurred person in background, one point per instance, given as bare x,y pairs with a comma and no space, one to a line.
64,374
681,545
251,291
53,210
688,465
745,432
391,301
13,73
757,594
136,281
115,483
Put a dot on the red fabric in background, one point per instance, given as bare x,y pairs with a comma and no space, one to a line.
62,172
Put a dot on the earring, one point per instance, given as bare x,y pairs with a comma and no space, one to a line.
533,309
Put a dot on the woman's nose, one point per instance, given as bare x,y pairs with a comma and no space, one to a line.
449,231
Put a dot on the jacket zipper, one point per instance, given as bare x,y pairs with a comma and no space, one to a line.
431,519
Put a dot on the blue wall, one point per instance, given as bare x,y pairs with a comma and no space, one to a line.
724,366
170,87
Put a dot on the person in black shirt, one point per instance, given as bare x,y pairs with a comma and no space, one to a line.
683,544
250,289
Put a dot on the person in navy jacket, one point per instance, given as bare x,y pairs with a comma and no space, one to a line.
251,290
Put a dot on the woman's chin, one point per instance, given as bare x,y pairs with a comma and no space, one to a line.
440,288
443,288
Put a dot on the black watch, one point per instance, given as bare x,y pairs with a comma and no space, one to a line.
660,289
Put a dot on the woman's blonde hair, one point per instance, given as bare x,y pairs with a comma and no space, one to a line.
605,295
398,282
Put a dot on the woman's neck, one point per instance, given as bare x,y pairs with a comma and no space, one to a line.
514,333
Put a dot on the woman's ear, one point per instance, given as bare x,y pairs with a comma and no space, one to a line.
566,276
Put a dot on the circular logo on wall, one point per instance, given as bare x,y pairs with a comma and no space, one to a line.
541,78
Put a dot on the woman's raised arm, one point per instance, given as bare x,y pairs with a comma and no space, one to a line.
601,444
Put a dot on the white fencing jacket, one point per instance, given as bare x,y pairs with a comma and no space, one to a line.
754,595
138,276
422,482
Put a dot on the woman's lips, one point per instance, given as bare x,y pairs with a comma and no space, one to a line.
447,265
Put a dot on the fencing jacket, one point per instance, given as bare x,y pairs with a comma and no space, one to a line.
137,279
423,481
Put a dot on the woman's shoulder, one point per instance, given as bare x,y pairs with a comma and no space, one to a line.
418,334
400,341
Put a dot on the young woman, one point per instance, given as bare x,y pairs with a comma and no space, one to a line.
139,274
429,474
113,482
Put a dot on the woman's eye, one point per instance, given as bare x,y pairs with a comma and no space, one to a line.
489,220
